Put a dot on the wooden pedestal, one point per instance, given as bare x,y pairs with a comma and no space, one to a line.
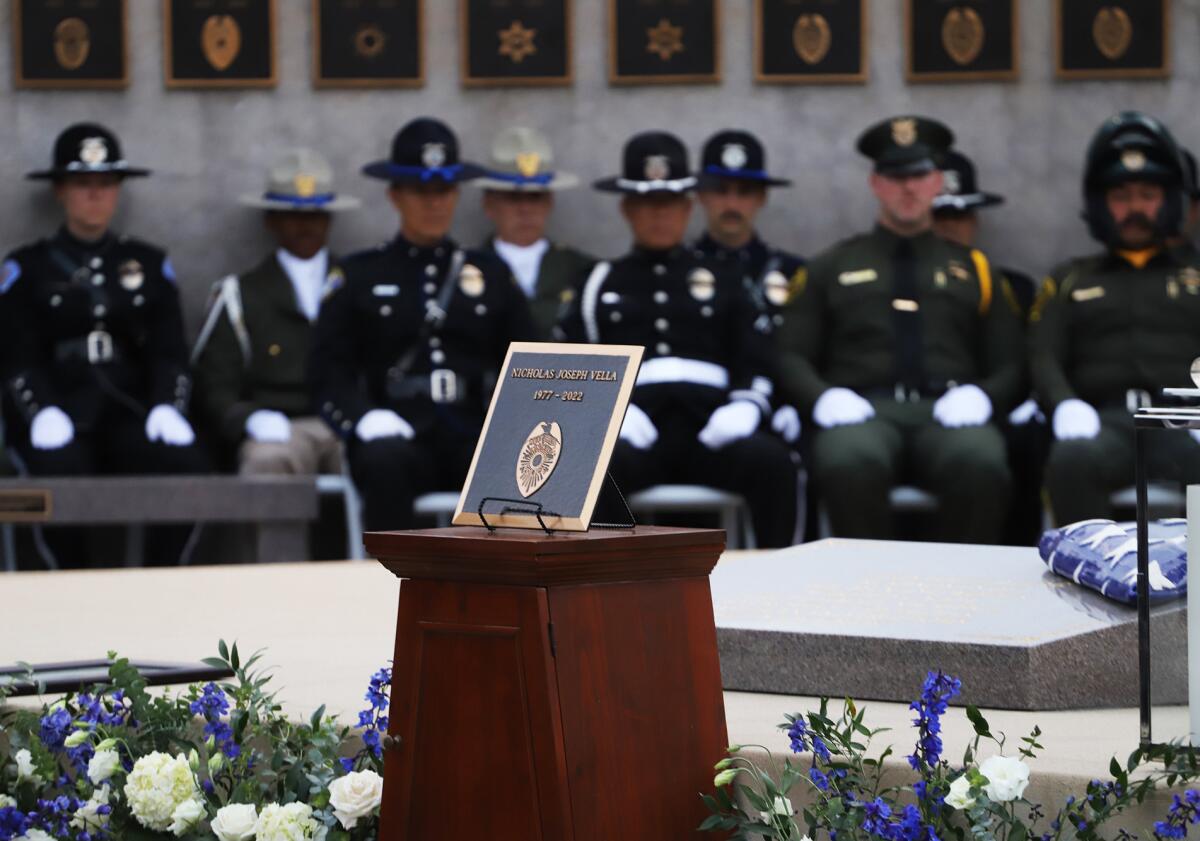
562,687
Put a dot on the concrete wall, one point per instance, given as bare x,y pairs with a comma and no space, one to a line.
208,146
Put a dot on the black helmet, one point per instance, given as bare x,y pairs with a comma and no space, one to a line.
1132,146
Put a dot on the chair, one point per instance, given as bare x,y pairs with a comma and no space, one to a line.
1159,497
730,507
329,484
904,499
440,505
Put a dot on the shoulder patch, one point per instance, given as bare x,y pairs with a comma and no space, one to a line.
10,274
168,271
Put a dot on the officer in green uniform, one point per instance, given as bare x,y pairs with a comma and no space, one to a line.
1111,330
904,350
518,198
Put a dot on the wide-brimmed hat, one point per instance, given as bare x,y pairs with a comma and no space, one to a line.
522,161
960,192
300,180
424,150
86,148
908,145
654,162
738,155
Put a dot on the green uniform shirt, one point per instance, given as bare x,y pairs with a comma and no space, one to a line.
562,272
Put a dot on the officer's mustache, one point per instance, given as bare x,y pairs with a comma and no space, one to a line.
1137,219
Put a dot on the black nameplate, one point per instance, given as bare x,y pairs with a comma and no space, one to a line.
961,40
515,42
655,41
367,43
810,41
1109,39
69,44
219,43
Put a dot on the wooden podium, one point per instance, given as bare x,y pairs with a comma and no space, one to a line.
558,687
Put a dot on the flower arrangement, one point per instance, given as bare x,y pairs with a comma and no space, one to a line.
216,761
982,799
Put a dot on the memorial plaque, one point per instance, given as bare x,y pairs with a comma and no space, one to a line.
367,44
549,434
69,44
1112,39
515,42
810,41
953,40
219,43
656,41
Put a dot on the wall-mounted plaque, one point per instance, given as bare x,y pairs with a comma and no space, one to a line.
953,40
1112,39
367,44
810,41
515,42
656,41
219,43
69,44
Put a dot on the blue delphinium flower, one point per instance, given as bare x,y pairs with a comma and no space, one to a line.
818,779
13,823
798,733
1184,810
374,719
936,693
213,705
54,728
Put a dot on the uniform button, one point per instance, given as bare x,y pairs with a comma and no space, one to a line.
99,310
437,357
328,407
435,341
661,325
430,288
706,311
660,297
430,270
55,300
662,348
97,280
138,300
385,310
26,395
19,382
346,426
777,320
481,309
96,263
660,269
614,316
274,350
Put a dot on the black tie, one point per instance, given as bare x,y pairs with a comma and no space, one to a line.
907,309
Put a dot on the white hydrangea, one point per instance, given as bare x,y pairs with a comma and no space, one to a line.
103,765
157,786
88,817
293,822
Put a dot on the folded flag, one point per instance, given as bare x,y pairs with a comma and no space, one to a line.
1102,555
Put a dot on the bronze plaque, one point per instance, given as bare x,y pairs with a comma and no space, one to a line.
953,40
810,41
515,42
69,44
654,41
219,43
1112,39
367,43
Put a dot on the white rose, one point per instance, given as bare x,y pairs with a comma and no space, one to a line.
293,822
355,796
235,822
1007,778
157,786
186,815
103,765
959,796
88,817
781,806
24,765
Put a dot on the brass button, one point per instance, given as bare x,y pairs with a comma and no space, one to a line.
274,350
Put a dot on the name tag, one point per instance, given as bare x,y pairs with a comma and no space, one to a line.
386,290
1089,294
860,276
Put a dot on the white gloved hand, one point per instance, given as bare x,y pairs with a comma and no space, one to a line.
268,426
638,429
1075,419
963,405
51,429
786,423
841,407
730,423
164,423
1195,433
383,423
1024,413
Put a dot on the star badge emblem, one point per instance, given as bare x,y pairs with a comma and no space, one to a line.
516,42
665,39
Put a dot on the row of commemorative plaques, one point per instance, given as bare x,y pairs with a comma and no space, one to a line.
377,43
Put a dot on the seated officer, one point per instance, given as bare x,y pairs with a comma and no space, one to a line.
903,348
1111,330
412,335
696,411
252,352
518,199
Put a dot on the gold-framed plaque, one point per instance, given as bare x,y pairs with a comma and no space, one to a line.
810,41
69,44
663,41
219,43
367,44
515,42
961,40
554,419
1112,39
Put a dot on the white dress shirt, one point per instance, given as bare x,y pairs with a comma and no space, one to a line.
524,260
307,277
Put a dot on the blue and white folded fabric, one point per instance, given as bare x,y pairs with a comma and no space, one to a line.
1102,555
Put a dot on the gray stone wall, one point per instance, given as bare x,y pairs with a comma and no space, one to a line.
207,147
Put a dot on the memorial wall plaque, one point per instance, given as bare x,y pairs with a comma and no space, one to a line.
219,43
961,40
69,44
810,41
656,41
367,44
1112,39
515,42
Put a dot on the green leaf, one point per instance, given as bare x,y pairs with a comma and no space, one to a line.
215,662
978,721
234,660
223,649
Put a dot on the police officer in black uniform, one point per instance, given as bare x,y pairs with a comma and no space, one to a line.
411,335
701,395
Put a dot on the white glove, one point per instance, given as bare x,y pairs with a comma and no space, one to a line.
1075,419
638,429
164,423
841,407
1195,433
730,423
963,405
786,422
269,427
51,429
383,423
1024,413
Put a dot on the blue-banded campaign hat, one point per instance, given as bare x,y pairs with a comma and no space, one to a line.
522,161
960,191
86,148
300,180
653,162
738,155
424,150
907,145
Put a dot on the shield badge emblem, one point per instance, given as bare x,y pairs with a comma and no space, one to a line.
811,38
93,151
540,454
131,275
72,43
221,41
470,281
776,288
904,131
702,284
962,35
1133,160
1112,30
656,167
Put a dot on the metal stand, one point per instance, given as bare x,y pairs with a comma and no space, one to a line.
524,506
